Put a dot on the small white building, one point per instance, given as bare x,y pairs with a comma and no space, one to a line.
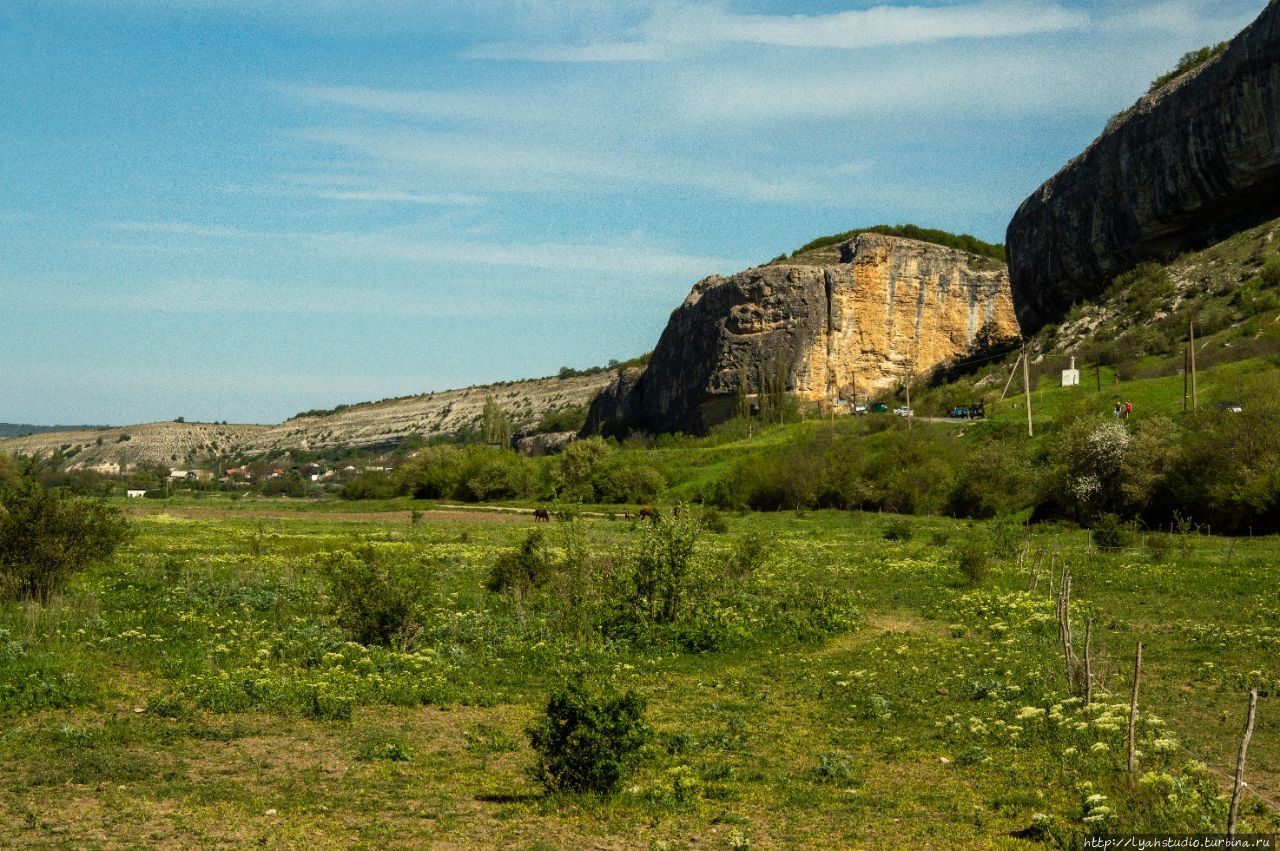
1071,377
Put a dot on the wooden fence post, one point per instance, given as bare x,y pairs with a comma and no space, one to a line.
1088,665
1133,701
1244,748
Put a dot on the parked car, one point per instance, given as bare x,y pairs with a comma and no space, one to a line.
859,408
879,408
1230,407
960,412
903,412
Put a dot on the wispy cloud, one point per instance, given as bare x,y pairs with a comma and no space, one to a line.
619,51
362,193
415,103
880,26
676,30
635,257
631,259
483,162
187,229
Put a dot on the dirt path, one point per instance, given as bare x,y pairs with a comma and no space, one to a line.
433,515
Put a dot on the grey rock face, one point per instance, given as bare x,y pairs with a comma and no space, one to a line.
1191,163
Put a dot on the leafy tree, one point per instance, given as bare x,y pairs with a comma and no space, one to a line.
47,535
496,425
371,484
627,477
435,474
578,464
9,475
588,742
496,474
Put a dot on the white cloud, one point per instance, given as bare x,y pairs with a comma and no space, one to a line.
880,26
674,31
485,162
357,191
635,257
1179,18
620,51
1078,76
187,229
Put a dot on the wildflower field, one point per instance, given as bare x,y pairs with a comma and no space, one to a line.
241,677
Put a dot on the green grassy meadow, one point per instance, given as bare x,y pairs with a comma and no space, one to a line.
835,689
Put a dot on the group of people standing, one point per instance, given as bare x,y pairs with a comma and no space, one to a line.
1123,409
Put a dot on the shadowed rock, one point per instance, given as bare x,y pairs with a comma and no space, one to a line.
1191,163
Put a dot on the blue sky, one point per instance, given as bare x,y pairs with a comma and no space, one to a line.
241,209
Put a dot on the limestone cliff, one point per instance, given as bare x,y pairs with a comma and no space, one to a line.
882,308
1195,161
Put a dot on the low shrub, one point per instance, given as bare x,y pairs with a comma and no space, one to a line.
368,604
897,529
588,742
519,571
973,557
1110,533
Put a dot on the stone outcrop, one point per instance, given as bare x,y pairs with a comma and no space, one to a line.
883,308
1191,163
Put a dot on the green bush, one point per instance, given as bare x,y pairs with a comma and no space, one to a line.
436,473
1109,533
565,419
973,557
520,570
46,536
587,742
595,470
374,484
1269,275
897,529
627,478
1190,60
369,604
713,521
663,581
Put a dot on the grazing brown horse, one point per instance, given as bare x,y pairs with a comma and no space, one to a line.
647,513
541,515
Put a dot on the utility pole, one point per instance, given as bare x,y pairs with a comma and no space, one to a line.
1012,373
1026,386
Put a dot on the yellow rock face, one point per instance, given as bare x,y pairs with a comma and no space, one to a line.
839,323
900,308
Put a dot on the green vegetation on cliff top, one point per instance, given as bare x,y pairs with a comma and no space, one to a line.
960,242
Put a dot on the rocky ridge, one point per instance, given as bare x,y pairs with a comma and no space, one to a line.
841,323
374,426
1191,163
